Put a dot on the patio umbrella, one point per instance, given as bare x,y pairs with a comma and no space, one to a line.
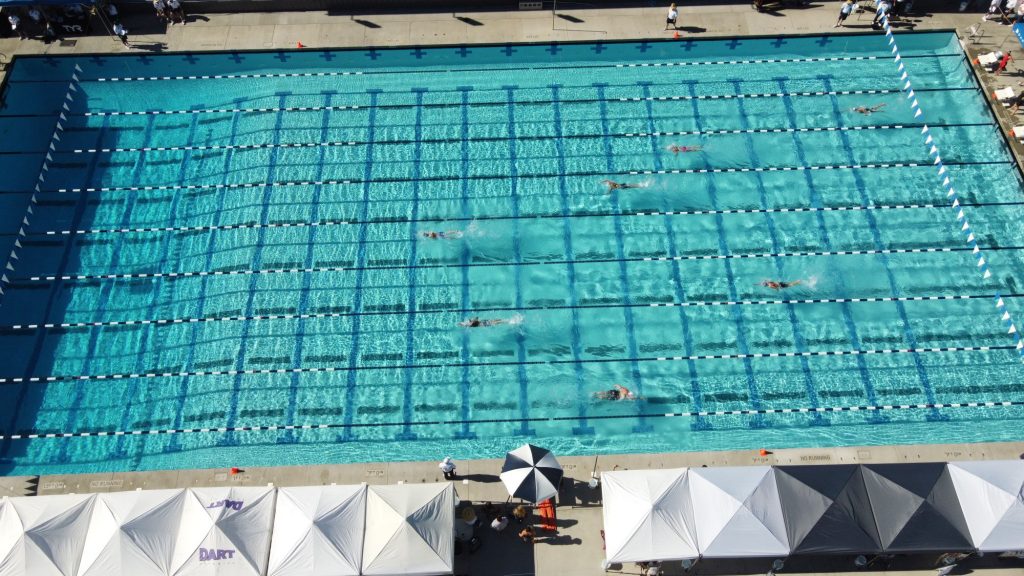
531,473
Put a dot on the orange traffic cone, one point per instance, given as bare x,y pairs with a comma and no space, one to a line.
676,35
234,470
299,45
763,452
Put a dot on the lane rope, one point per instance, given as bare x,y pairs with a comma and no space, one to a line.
499,70
6,381
357,181
459,265
13,258
340,143
536,216
947,184
333,425
395,312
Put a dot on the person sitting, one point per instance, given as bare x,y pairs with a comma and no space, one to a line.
499,523
519,513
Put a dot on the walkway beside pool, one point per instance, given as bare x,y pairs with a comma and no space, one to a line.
319,29
577,549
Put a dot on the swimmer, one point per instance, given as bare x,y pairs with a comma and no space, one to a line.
780,284
616,393
868,110
612,185
476,322
449,235
676,149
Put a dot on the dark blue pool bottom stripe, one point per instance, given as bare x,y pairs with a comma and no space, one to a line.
498,103
463,422
431,70
570,266
357,298
753,390
876,234
514,216
552,175
826,242
517,273
454,265
678,287
798,337
13,381
410,322
201,299
515,308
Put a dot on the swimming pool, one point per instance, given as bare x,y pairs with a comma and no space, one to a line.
228,261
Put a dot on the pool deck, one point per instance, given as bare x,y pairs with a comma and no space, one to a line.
579,510
579,507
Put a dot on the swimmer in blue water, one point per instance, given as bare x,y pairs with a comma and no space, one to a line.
476,322
449,235
676,149
613,185
617,393
780,284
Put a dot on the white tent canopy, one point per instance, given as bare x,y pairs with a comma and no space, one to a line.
318,530
409,529
44,535
991,496
133,533
648,514
228,534
737,512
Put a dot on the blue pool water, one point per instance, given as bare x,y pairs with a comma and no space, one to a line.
236,240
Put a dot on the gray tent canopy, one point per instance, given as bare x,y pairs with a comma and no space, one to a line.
916,508
826,510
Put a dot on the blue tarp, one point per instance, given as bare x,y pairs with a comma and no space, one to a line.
1018,29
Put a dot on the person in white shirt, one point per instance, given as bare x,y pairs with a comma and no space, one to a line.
16,26
499,523
121,32
175,12
161,9
673,16
844,11
447,468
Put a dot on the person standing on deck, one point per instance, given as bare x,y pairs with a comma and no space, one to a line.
122,33
673,16
844,11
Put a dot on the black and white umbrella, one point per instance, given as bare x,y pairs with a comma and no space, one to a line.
531,473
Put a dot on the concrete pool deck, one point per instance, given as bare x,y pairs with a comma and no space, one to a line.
577,548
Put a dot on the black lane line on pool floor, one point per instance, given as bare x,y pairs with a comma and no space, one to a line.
543,216
461,422
434,311
492,70
563,262
357,181
501,104
10,381
534,138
